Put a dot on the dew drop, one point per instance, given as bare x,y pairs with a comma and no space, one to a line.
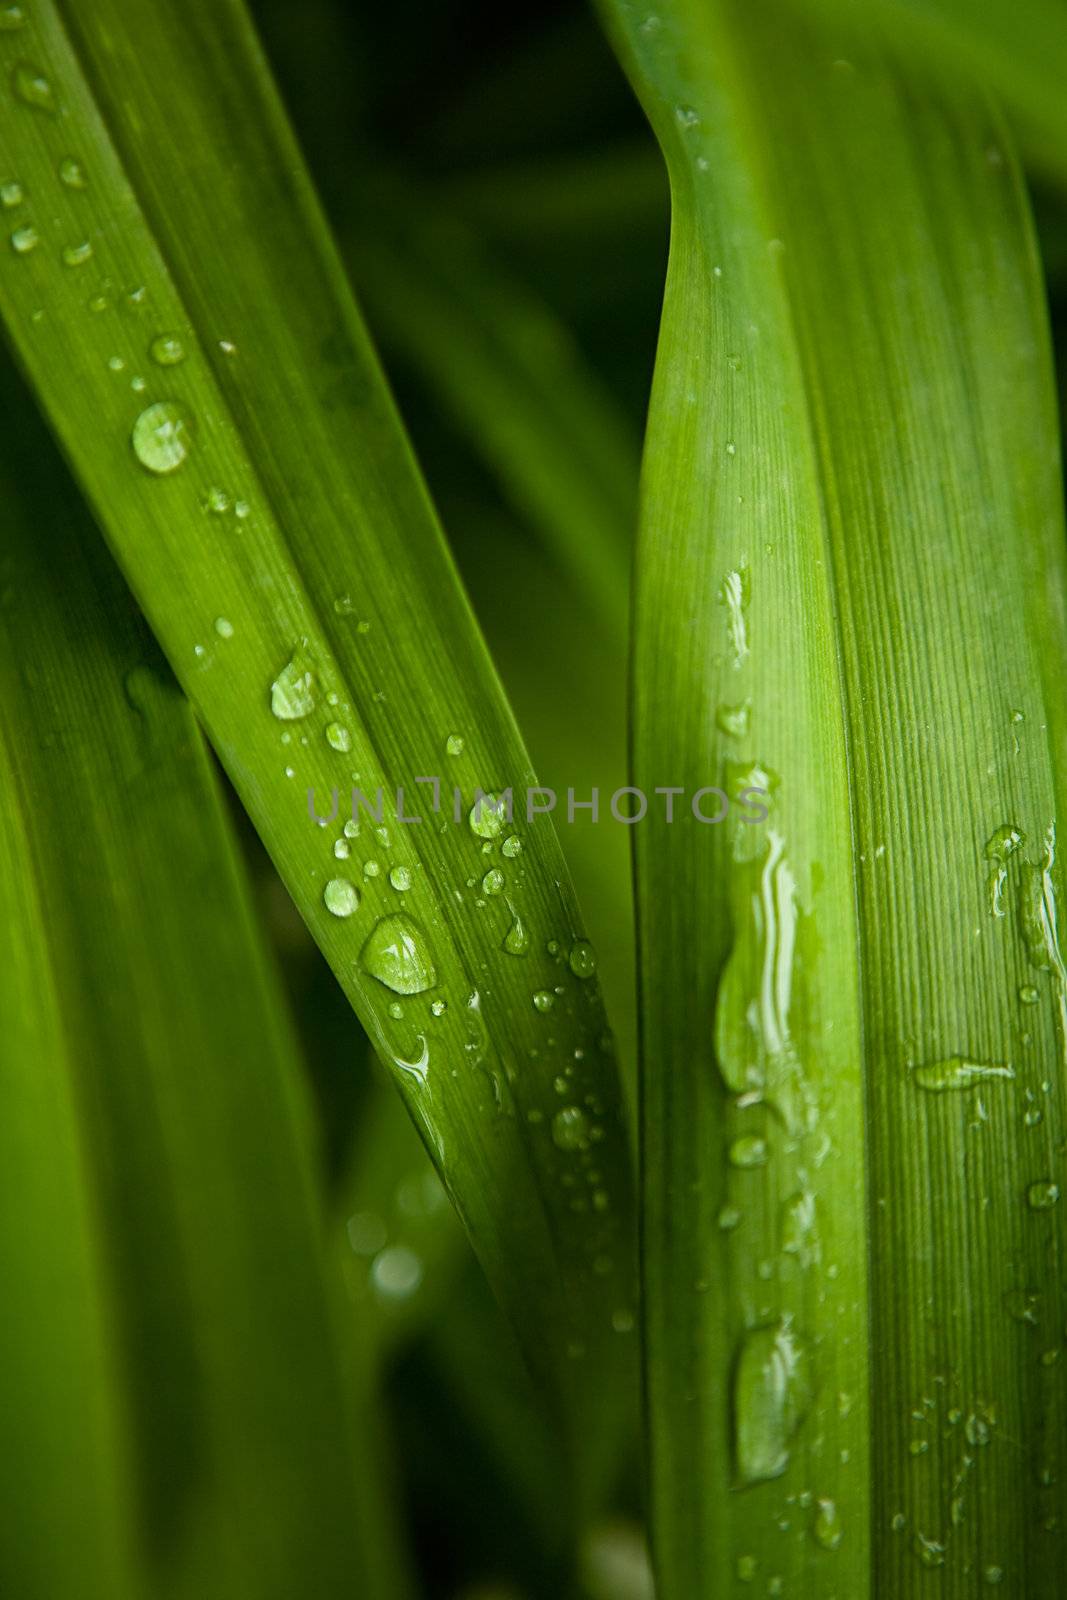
993,1575
1029,995
827,1528
351,829
396,954
749,1151
72,173
33,88
733,720
517,941
217,501
687,116
439,1007
371,869
396,1272
1042,1196
76,255
341,897
454,744
342,849
493,882
570,1129
162,436
747,1567
338,737
957,1073
543,1000
771,1395
23,240
11,195
511,847
167,350
931,1552
292,692
581,959
487,816
400,878
224,627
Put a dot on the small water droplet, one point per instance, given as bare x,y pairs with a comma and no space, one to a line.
517,941
23,240
511,847
958,1073
72,173
217,501
454,744
493,882
292,692
338,737
227,347
400,878
622,1321
733,720
771,1395
687,116
116,364
351,829
162,436
342,849
1029,995
749,1151
931,1552
439,1007
396,1272
397,955
729,1217
570,1129
747,1567
543,1000
11,195
979,1425
167,350
1042,1196
33,88
341,897
827,1527
224,627
581,958
371,869
993,1575
76,255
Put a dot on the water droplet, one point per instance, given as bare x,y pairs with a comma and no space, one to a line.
33,88
544,1000
227,347
734,595
511,847
799,1234
116,364
993,1575
1000,847
351,829
517,941
396,954
400,878
931,1552
72,173
76,255
162,436
1029,995
292,692
11,195
343,605
342,849
454,744
371,869
827,1528
771,1395
733,720
224,627
581,959
749,1151
493,882
979,1425
487,816
167,350
23,240
958,1073
11,17
729,1217
622,1321
439,1007
396,1272
341,897
687,116
1042,1196
747,1567
338,737
570,1129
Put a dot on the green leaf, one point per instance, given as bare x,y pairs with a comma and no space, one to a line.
262,500
850,595
178,1414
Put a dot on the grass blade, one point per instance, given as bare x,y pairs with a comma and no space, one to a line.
272,523
851,488
176,1144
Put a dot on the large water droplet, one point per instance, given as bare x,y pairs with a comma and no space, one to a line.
397,955
1042,1196
487,816
582,959
292,694
341,897
570,1129
33,88
827,1527
162,436
957,1073
771,1395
